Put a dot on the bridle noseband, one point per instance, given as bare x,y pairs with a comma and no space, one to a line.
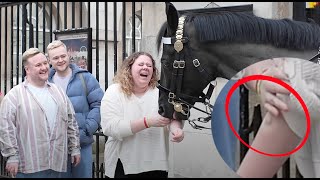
175,96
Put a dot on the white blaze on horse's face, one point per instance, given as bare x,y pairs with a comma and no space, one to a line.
142,70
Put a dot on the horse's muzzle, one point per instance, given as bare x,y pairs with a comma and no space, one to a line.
166,110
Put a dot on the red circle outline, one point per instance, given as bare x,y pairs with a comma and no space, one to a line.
285,85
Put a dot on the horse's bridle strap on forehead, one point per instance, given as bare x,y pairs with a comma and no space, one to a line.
172,40
178,45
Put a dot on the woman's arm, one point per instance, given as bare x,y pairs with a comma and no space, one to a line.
112,121
274,137
147,122
268,90
176,131
256,69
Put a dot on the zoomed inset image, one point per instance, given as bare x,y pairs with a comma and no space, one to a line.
266,119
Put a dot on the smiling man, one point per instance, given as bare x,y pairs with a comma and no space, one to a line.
37,124
85,94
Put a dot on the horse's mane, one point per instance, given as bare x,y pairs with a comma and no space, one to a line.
246,27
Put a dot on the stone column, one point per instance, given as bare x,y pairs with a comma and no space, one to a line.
154,16
282,10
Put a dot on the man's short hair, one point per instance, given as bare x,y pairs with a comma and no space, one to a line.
28,54
54,44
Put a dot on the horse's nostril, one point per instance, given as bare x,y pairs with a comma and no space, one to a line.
161,110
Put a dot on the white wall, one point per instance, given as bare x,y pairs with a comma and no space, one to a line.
262,9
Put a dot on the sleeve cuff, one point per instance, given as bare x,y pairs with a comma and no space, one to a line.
12,159
125,129
75,152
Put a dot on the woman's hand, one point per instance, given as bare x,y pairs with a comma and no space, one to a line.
176,130
157,121
12,168
177,134
268,91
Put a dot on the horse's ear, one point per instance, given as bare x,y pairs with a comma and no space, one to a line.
172,16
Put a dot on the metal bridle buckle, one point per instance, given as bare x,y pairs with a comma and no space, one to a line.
196,63
178,64
178,107
171,96
184,112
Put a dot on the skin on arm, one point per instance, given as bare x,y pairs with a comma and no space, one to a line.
75,160
12,168
268,89
155,121
176,130
175,126
254,69
273,137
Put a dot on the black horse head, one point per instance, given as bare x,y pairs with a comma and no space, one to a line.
177,92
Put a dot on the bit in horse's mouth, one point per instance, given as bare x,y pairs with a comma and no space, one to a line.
179,116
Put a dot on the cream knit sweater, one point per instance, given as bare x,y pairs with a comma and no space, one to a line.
146,150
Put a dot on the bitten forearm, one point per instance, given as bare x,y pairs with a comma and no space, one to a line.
138,125
176,124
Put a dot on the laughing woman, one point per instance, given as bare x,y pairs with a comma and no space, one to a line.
138,136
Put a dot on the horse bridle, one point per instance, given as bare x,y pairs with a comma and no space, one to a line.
175,96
